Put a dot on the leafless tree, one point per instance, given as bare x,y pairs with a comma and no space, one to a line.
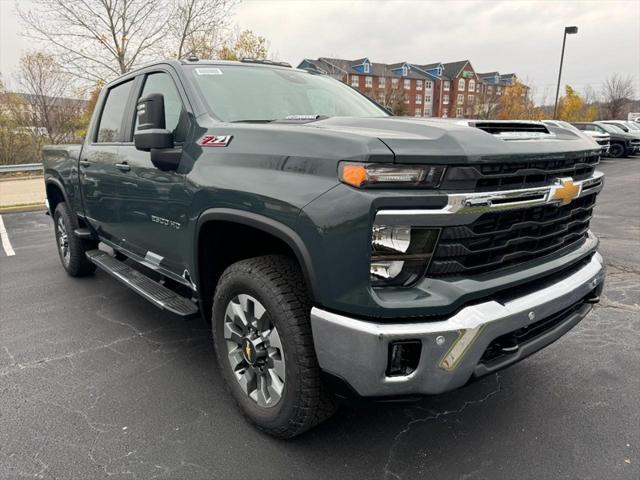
97,40
44,107
617,93
199,26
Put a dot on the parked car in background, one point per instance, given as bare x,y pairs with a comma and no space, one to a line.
621,143
625,126
600,138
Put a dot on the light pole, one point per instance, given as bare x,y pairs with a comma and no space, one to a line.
567,31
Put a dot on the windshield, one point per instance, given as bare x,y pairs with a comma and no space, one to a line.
632,126
567,125
252,93
610,128
620,126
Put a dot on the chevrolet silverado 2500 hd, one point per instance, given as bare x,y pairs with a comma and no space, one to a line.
333,247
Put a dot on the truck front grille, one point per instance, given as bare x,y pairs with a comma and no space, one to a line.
528,173
505,238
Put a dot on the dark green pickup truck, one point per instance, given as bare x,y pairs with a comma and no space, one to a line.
335,249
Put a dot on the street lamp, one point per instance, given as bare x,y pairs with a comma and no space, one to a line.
567,31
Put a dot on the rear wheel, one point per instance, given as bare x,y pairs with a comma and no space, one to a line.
617,150
71,248
264,346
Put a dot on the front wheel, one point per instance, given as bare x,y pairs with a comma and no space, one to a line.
616,150
263,341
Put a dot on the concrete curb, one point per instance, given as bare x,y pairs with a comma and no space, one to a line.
23,208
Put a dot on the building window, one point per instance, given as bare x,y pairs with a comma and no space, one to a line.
478,87
461,84
381,82
445,112
394,82
459,112
405,71
355,81
427,99
407,84
460,99
472,85
418,84
428,85
366,68
446,86
439,71
470,99
381,98
368,82
418,112
406,99
445,99
418,99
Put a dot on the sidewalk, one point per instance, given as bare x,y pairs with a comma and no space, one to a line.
22,192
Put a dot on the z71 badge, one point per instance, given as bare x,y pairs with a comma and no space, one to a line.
215,140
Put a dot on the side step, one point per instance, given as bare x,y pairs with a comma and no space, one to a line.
83,233
157,294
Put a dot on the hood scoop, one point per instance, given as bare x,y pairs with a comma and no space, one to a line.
514,130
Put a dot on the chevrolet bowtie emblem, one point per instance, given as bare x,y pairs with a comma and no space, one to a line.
564,191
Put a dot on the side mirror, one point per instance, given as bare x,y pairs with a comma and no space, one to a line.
152,132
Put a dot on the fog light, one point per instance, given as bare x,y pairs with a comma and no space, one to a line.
404,357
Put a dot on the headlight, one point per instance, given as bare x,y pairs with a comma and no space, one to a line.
400,254
363,175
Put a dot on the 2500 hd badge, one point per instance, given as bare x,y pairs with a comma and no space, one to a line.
333,248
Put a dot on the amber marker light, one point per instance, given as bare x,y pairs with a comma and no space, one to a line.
354,175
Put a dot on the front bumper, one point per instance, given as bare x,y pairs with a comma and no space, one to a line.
452,350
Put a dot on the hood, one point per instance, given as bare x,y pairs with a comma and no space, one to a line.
423,140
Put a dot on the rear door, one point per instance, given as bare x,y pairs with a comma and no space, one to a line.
99,176
154,202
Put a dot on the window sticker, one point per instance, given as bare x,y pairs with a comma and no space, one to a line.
208,71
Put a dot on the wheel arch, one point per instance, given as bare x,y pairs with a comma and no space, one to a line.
56,193
258,223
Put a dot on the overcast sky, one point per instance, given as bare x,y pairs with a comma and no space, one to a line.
524,37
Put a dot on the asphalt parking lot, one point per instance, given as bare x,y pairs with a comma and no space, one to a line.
95,382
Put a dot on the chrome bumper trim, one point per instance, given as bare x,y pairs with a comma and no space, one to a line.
357,350
474,204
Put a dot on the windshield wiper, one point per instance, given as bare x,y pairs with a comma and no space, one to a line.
287,119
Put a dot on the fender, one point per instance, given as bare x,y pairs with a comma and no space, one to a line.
51,180
268,225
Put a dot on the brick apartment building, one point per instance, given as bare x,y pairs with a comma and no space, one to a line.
451,89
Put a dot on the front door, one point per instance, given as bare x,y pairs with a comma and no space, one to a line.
154,202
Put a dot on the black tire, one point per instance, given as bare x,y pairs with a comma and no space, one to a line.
617,150
73,257
276,283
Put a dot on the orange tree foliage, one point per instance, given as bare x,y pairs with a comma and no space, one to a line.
572,107
515,103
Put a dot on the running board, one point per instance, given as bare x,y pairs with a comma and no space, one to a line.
157,294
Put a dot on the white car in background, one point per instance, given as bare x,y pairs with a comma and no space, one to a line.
601,138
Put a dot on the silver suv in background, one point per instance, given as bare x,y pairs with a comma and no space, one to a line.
601,138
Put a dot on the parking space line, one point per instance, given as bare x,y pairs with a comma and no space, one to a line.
4,239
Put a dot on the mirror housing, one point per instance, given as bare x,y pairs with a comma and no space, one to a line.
151,132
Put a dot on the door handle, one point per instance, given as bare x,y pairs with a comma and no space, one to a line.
124,166
85,163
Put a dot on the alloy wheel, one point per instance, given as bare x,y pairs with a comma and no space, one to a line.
63,241
255,351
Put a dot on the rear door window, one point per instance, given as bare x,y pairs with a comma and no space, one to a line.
110,125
